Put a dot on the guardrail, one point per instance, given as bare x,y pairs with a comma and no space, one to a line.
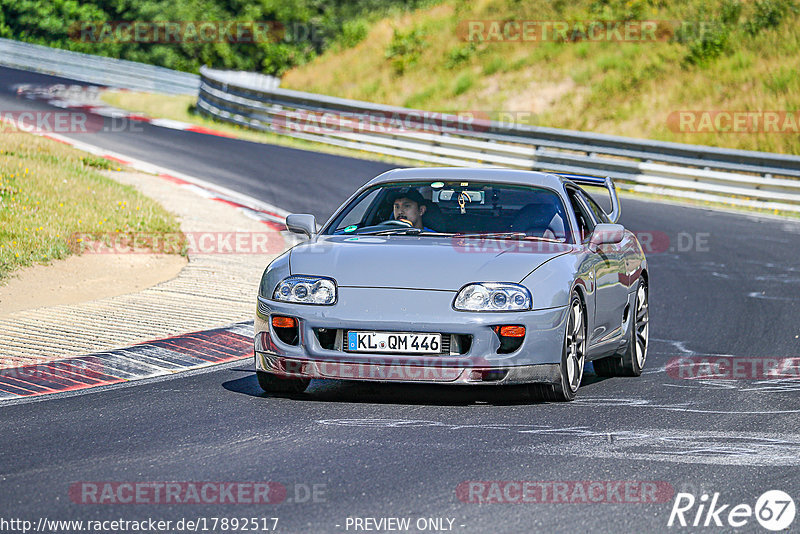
97,69
739,177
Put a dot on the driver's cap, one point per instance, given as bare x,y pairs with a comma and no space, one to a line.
409,193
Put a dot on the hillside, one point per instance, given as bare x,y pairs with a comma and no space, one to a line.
720,58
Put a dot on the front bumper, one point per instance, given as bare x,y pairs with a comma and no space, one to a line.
405,310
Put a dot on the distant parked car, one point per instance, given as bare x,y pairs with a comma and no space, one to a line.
458,276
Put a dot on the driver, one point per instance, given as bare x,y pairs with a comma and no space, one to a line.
408,204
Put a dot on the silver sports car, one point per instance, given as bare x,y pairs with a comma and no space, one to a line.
457,276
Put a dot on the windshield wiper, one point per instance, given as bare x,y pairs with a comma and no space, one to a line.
509,235
495,234
393,231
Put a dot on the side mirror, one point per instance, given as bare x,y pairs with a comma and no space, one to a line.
301,223
606,234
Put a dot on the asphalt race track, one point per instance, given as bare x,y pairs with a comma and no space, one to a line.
721,284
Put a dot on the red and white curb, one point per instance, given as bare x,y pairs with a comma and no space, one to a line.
145,360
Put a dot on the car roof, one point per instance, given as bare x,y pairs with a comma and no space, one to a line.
509,176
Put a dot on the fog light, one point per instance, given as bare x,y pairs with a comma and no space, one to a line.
510,336
286,328
279,321
512,331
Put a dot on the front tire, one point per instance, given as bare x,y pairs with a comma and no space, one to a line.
277,384
573,357
632,360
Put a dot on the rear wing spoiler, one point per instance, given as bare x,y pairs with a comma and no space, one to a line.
597,181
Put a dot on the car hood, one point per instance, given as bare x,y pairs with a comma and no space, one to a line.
415,262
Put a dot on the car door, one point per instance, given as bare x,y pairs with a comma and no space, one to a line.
610,294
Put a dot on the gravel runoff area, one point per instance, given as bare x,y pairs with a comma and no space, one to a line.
217,287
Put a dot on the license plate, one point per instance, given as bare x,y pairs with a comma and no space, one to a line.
394,342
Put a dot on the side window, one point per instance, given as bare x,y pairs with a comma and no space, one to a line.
359,211
599,214
585,221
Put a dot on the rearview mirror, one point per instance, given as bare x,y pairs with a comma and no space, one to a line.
606,234
301,223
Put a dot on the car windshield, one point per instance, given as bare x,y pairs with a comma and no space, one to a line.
455,208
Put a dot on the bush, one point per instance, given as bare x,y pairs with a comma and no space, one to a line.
353,32
405,49
459,55
709,42
768,14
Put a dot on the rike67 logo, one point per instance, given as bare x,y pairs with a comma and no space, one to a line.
774,510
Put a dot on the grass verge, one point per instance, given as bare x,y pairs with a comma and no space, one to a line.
48,191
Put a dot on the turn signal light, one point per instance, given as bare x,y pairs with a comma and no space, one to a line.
512,331
279,321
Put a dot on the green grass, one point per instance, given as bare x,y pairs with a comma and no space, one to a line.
463,83
48,191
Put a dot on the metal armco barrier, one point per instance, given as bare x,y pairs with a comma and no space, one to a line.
98,70
739,177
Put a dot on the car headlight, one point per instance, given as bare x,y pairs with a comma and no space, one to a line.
306,290
492,296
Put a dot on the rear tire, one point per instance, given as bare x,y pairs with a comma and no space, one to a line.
573,358
277,384
632,360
